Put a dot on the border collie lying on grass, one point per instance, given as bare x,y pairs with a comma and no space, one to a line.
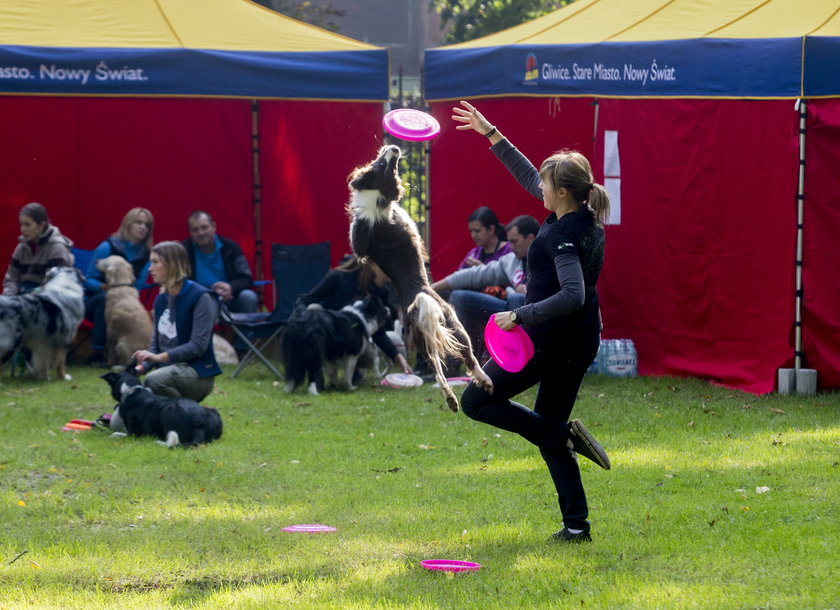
173,421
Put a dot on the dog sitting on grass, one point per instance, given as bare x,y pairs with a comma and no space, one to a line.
128,322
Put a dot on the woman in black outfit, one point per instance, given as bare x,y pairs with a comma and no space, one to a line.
560,315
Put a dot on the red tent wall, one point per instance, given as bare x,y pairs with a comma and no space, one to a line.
821,250
700,271
307,151
465,175
89,160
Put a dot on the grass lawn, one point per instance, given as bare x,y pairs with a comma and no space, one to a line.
716,499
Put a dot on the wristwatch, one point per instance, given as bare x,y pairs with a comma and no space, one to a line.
515,318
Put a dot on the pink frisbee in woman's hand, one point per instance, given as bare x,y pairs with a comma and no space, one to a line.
450,565
410,124
511,349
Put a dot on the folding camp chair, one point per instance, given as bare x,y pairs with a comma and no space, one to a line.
295,271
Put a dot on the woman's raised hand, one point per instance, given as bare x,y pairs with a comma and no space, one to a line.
471,118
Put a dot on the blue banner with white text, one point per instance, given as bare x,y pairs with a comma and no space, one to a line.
756,68
334,75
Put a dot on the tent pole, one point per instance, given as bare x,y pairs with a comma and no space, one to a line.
800,216
595,125
257,192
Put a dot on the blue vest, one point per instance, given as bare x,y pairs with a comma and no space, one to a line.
205,365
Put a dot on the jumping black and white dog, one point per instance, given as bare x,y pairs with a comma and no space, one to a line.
317,339
44,321
174,421
381,231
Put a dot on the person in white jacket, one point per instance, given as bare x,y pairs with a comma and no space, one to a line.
471,288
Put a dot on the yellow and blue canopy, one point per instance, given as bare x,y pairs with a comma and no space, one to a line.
225,48
652,48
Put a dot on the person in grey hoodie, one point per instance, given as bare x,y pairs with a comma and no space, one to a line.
41,246
474,290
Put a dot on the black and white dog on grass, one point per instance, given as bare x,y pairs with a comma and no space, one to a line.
381,231
173,421
318,340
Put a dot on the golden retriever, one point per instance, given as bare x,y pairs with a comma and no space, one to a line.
128,323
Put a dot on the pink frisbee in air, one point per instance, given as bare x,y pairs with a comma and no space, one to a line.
450,565
309,528
410,124
511,349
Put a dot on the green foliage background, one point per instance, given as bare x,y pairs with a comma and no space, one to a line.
468,19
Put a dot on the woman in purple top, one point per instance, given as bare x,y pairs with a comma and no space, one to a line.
489,237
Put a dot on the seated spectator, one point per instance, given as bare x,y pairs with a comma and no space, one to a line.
218,263
181,346
132,241
41,246
489,238
349,282
472,304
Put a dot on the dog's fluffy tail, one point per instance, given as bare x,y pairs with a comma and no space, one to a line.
430,333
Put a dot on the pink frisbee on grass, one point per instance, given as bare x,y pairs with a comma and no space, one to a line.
410,124
309,528
511,349
450,565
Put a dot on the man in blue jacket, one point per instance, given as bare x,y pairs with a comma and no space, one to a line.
219,264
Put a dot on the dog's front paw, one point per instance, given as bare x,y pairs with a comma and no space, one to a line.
452,403
483,381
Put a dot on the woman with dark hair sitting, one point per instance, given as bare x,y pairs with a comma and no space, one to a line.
181,347
133,241
41,246
489,236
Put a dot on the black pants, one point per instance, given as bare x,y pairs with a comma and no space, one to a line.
546,426
95,312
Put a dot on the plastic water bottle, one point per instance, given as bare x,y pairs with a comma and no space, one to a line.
605,354
620,358
633,358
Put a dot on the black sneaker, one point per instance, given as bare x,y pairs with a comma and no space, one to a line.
564,535
584,444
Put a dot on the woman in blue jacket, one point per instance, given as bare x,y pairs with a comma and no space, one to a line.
181,346
133,241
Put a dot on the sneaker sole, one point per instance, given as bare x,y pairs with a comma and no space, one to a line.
594,446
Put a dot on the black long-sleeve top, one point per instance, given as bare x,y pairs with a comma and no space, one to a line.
561,312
